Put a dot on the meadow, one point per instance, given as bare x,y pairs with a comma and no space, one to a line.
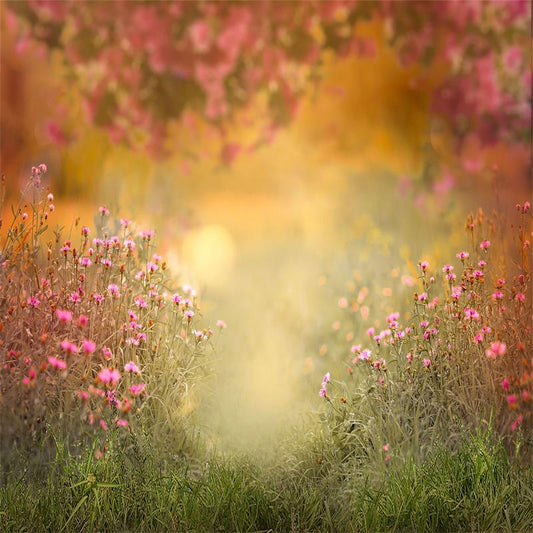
411,411
271,271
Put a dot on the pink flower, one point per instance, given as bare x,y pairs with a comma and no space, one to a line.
326,378
426,363
64,316
82,321
57,363
519,419
511,400
103,425
131,367
122,423
189,314
424,265
484,245
422,297
322,392
520,297
113,290
34,302
365,355
408,281
85,261
221,324
108,375
135,390
496,349
85,231
505,384
69,347
139,301
104,211
462,255
107,353
88,346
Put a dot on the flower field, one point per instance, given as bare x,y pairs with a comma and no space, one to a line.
266,266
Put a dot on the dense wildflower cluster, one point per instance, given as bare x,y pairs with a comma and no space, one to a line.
88,323
464,349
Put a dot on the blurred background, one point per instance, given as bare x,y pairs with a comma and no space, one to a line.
285,152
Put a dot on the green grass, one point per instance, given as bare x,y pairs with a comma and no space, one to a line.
476,488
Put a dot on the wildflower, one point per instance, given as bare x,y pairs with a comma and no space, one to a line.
497,295
34,302
113,290
447,268
356,348
147,234
131,367
152,267
505,384
426,363
104,211
526,396
365,355
129,244
140,302
471,314
408,281
484,245
124,222
58,364
365,311
462,255
422,297
518,420
370,332
511,400
322,392
326,378
108,375
64,316
188,314
424,265
82,321
482,264
85,231
135,390
527,206
88,346
103,425
69,347
343,303
122,423
51,208
409,357
221,324
520,297
98,298
85,261
50,197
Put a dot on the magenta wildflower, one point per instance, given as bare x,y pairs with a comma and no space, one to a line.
426,363
122,423
135,390
109,375
63,315
518,420
505,384
104,211
484,245
131,367
34,302
462,255
69,347
88,346
58,364
221,324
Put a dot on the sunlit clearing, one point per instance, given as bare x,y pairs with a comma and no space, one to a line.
209,252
